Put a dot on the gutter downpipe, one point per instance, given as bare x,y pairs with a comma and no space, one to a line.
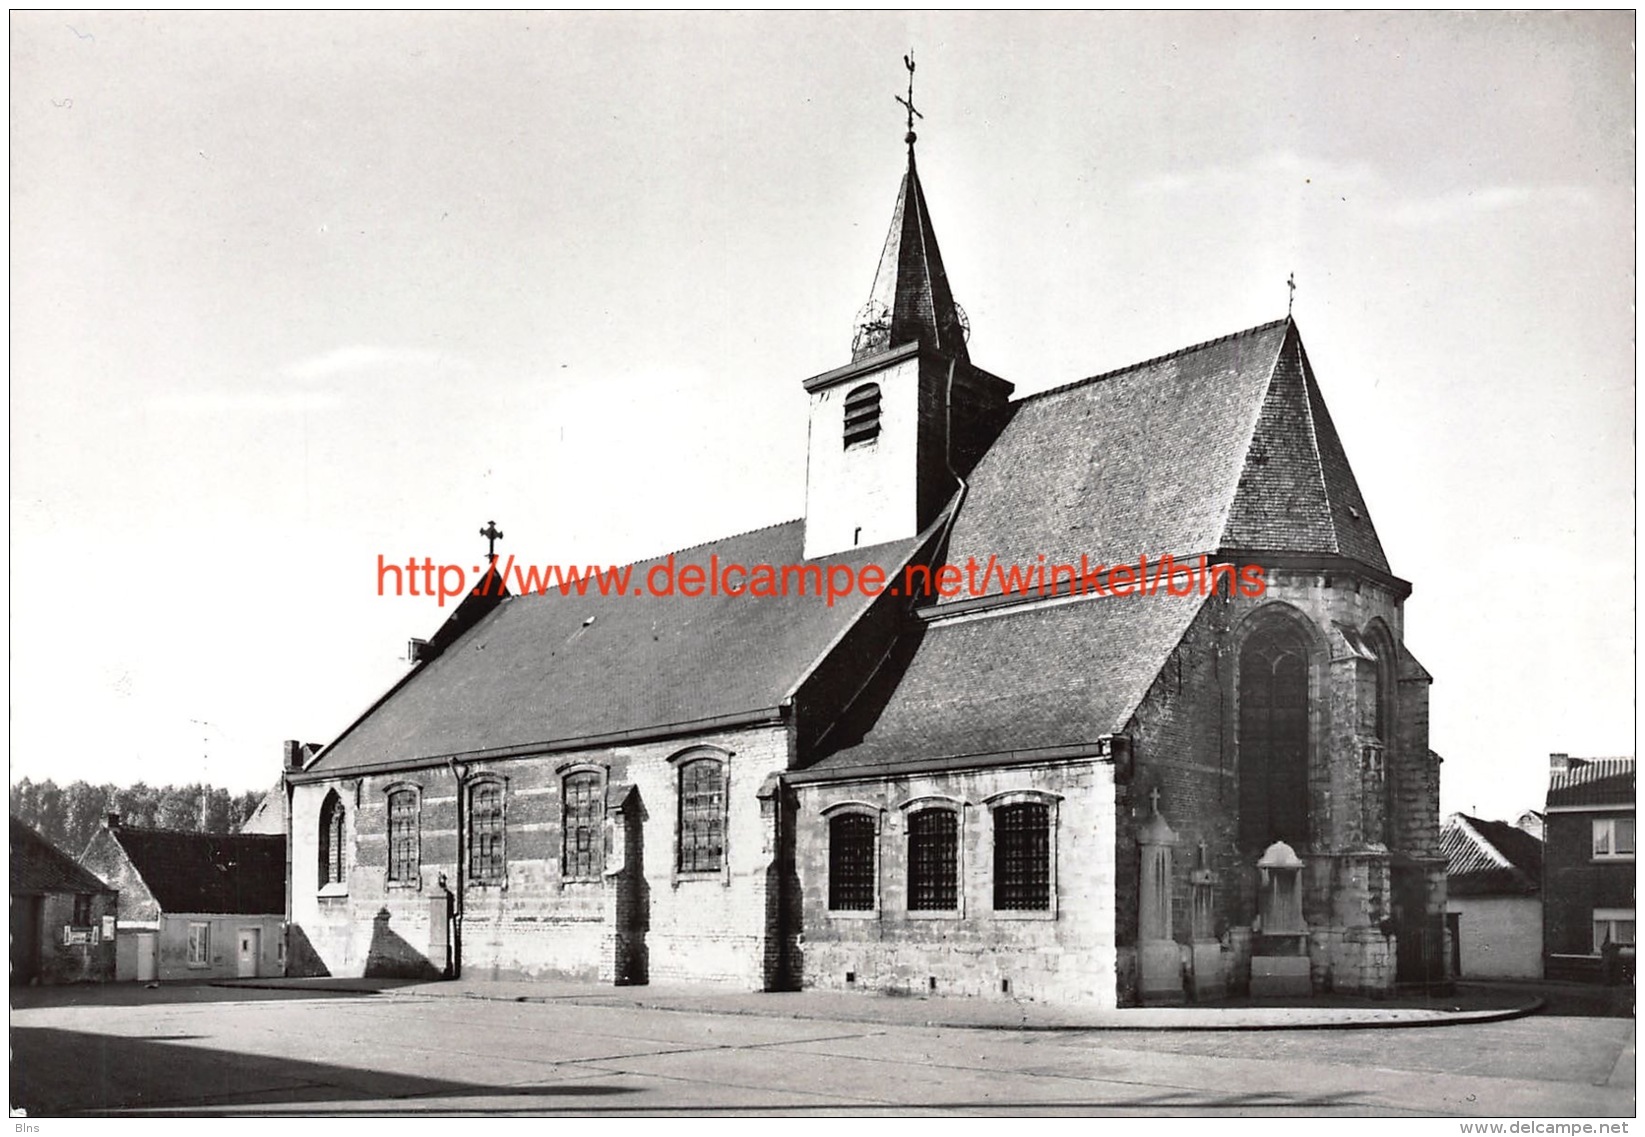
458,774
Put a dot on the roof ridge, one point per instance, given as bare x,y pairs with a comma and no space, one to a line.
717,540
1466,824
1181,351
124,828
685,549
1318,466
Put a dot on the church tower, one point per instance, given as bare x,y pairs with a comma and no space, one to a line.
894,432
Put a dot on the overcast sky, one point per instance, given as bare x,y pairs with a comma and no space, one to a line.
292,291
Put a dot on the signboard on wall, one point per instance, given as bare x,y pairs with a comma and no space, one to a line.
108,927
73,935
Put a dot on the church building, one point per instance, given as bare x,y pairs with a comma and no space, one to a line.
1089,788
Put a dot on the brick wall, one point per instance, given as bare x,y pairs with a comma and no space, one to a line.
535,923
1065,954
1574,884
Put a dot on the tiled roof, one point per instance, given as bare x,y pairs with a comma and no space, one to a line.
1489,857
1018,680
241,873
540,669
1593,781
1224,445
35,866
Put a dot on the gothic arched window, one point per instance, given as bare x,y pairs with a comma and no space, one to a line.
333,869
1273,739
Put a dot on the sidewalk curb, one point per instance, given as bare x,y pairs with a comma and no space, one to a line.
1108,1021
1456,1018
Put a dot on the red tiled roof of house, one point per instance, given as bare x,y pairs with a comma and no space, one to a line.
1592,781
1489,857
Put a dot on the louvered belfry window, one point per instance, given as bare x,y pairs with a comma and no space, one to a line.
485,833
580,859
402,836
702,816
1022,857
933,861
862,415
851,863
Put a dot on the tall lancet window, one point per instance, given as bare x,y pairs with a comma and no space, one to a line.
1273,739
333,859
862,415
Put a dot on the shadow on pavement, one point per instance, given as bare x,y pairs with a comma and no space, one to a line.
61,1072
140,994
1570,1000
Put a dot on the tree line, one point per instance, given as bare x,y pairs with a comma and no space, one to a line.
67,816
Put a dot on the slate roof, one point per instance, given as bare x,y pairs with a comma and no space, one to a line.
910,301
1489,858
1018,680
1593,781
239,873
541,669
35,866
1225,445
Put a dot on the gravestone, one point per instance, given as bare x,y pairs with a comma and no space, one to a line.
1160,959
1279,946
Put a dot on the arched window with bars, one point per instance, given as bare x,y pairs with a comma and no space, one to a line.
852,865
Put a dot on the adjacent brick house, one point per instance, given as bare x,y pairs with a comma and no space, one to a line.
1016,792
62,917
1588,864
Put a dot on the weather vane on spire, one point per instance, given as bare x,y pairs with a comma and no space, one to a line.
908,62
1291,297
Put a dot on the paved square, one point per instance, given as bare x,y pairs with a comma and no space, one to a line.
134,1051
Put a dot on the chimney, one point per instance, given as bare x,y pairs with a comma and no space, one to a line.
1558,763
415,650
111,820
294,754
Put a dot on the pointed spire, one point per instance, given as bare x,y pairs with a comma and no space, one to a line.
911,301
